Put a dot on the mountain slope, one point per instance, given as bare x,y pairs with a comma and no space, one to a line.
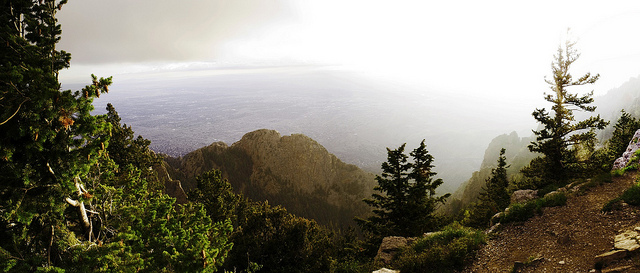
294,171
517,155
567,238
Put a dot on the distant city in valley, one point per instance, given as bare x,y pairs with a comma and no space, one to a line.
353,117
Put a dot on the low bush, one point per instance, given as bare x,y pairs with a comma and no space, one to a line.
444,251
630,196
522,212
554,200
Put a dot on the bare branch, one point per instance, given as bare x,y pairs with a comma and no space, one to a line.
14,112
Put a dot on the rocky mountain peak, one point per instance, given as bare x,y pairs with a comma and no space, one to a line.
294,171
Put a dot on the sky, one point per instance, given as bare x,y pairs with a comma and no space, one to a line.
496,52
476,68
493,46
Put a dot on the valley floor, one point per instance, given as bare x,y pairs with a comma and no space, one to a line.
566,238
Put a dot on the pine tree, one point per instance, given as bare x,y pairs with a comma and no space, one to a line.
406,202
497,185
561,135
64,203
494,198
625,128
48,138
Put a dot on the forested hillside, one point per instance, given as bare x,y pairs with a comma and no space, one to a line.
293,171
80,192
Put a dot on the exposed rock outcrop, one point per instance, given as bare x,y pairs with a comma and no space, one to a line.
172,187
522,196
625,243
633,146
390,247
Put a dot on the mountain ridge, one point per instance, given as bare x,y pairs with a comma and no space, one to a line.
294,171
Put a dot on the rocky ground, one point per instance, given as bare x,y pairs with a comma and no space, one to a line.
564,239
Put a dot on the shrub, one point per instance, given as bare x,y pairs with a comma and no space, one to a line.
554,200
630,196
522,212
445,251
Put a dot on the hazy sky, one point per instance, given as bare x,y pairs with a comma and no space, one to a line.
469,46
484,61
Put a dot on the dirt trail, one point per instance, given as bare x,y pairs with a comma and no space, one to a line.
567,238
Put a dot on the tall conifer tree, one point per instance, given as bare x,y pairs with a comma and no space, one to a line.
406,202
64,203
561,135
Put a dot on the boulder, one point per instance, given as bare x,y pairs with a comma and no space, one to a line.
492,229
611,256
627,240
495,219
385,270
633,146
620,269
390,246
522,196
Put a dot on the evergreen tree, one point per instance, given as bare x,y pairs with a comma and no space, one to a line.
48,138
497,185
625,128
406,202
64,203
125,149
561,135
265,237
494,197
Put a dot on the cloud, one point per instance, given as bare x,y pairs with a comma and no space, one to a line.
145,30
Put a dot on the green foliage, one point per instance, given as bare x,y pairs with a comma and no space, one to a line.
561,137
266,237
157,236
445,251
48,138
77,191
216,195
630,196
522,211
279,241
495,197
624,129
406,204
124,149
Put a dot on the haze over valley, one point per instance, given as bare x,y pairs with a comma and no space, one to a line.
454,78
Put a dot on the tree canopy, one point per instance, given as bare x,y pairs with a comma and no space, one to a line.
406,202
561,136
65,202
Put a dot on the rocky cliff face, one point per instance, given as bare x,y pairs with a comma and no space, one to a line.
633,146
294,171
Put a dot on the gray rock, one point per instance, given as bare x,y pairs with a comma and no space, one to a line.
429,234
385,270
633,146
627,240
552,193
611,256
493,228
621,269
522,196
390,247
496,218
